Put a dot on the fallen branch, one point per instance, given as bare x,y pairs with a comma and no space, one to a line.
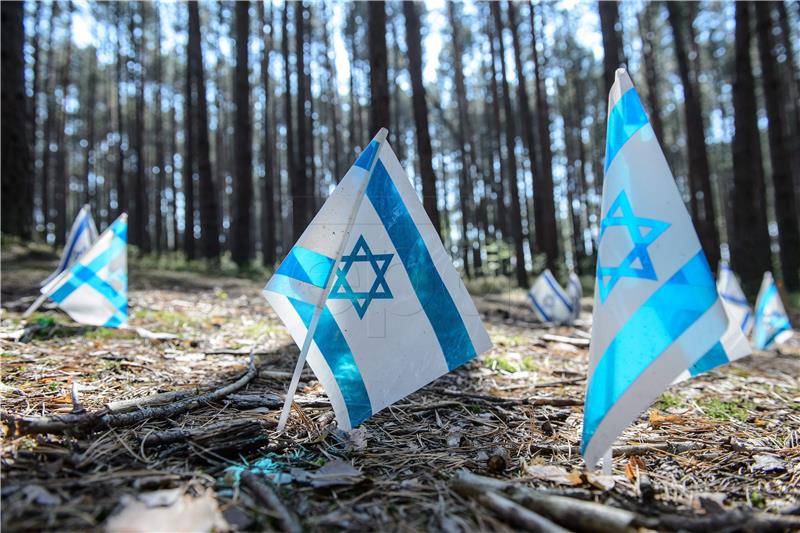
581,343
266,495
508,510
629,450
529,400
239,428
85,422
132,404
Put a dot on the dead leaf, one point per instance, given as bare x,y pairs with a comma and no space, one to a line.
600,481
634,468
657,419
334,473
554,474
185,513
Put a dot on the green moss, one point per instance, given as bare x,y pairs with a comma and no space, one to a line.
499,362
717,409
668,400
757,500
529,364
166,317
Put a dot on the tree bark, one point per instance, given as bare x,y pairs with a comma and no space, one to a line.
750,245
613,55
209,210
513,186
89,104
158,133
62,171
649,54
17,168
140,221
378,66
267,151
122,189
699,173
779,151
420,108
189,162
243,139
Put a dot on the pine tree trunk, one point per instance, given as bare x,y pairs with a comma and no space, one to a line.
649,52
49,124
699,173
243,140
779,146
750,245
513,187
158,134
295,183
173,175
89,106
209,210
267,151
613,55
17,167
502,216
122,189
378,67
140,221
61,183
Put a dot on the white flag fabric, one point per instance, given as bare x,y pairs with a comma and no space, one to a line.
550,302
733,299
575,292
771,323
396,315
82,235
656,308
94,290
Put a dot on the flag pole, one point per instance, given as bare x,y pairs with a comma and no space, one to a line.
35,305
312,326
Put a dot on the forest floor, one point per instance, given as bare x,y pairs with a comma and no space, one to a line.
721,451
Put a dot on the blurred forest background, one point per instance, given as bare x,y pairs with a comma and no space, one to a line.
221,127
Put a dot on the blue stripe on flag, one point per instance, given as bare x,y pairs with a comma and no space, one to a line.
626,118
367,155
283,285
307,266
89,277
538,307
83,225
669,311
337,354
734,299
715,357
556,289
431,291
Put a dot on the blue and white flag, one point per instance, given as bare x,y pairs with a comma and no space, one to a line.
550,302
772,323
82,235
372,279
733,299
656,308
575,291
94,290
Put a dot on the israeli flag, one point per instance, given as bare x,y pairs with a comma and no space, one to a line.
733,299
656,308
372,282
575,291
81,236
772,325
549,301
94,290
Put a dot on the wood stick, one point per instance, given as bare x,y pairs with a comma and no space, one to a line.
529,400
266,495
88,421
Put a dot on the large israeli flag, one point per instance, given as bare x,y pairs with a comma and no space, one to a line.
372,281
656,308
94,290
82,235
550,302
771,323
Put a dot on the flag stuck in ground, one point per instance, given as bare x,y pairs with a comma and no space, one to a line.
94,290
771,322
550,302
372,283
656,313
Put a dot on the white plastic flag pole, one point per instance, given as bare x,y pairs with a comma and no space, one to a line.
35,305
312,326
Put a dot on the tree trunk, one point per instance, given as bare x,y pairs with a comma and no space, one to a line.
420,106
330,66
502,217
699,173
140,221
89,104
649,53
173,181
267,151
750,245
295,183
779,146
49,124
17,168
62,172
159,140
613,55
122,189
209,210
243,139
516,215
378,65
544,187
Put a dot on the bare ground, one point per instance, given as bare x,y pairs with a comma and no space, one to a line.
721,451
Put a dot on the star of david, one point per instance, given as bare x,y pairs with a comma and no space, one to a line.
637,264
380,289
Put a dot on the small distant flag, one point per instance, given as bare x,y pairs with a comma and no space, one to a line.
575,291
82,235
771,323
370,294
656,308
733,299
550,302
94,290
